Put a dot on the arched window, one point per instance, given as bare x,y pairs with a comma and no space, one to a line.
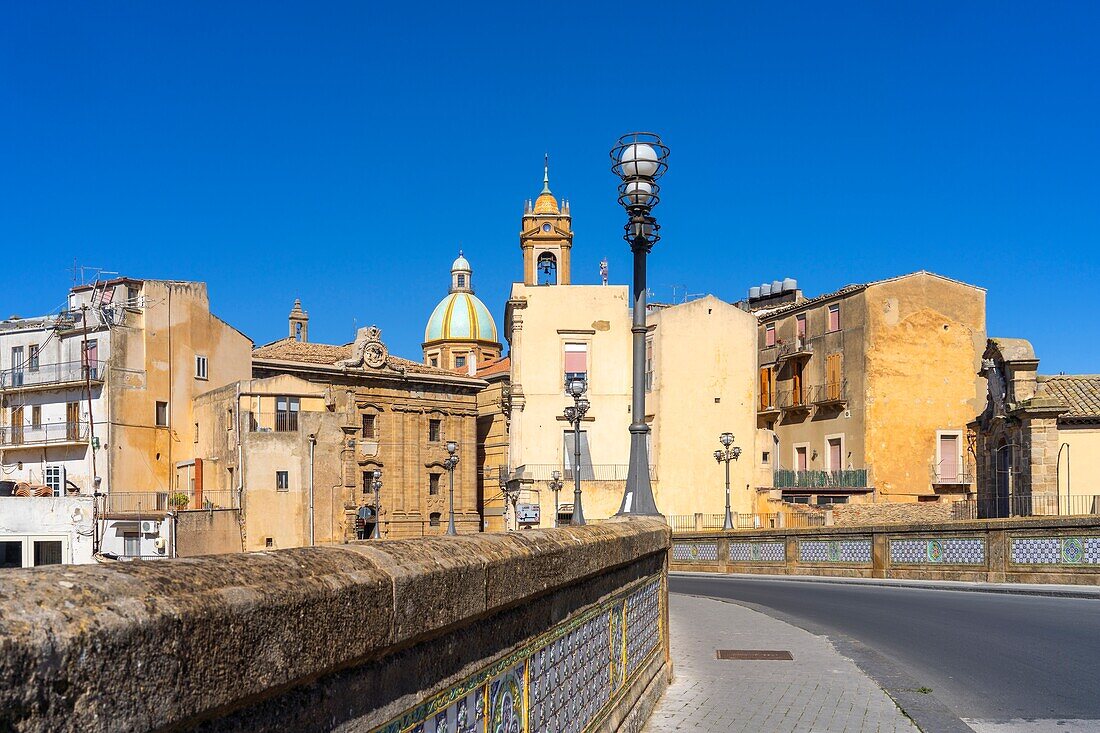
547,269
433,519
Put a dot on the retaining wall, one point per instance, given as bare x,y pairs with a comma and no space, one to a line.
519,631
1032,550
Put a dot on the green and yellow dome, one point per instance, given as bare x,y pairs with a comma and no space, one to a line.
461,316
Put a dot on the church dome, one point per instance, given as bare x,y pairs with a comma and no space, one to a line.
546,204
461,316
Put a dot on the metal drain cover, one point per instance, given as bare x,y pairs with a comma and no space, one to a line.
767,654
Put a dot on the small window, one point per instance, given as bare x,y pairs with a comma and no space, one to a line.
834,317
368,478
435,430
282,480
229,419
269,541
434,361
433,483
55,479
576,363
47,552
196,432
162,414
461,281
131,296
433,519
32,359
36,416
649,365
830,500
370,426
200,367
800,322
131,544
286,414
460,361
769,335
766,457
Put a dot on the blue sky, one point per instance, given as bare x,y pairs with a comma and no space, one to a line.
343,153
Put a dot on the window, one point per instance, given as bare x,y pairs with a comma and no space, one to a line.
433,483
765,457
434,361
800,458
32,361
286,414
11,554
435,430
433,519
282,480
835,453
649,365
370,426
131,544
767,389
36,416
834,318
797,499
269,541
769,335
461,281
948,457
833,379
131,296
17,366
55,479
89,360
162,415
229,419
460,361
200,367
47,552
568,451
800,322
830,500
196,432
368,478
72,420
576,362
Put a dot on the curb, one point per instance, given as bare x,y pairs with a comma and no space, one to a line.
1059,591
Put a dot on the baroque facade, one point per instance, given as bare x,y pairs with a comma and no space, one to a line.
1035,434
302,438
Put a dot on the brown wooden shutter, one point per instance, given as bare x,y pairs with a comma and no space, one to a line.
832,376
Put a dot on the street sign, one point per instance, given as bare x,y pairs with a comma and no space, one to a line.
527,513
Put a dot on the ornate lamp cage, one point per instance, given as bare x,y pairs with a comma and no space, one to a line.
639,159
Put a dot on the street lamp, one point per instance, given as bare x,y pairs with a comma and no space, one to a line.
449,463
725,455
555,486
639,159
376,485
574,414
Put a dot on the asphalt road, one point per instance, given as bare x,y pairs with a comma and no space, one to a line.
988,657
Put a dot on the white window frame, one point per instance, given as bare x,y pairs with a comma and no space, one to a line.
828,318
28,541
277,488
586,347
794,455
202,367
843,451
59,469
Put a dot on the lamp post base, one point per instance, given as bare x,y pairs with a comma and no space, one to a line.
638,498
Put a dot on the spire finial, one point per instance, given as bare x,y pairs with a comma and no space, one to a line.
546,172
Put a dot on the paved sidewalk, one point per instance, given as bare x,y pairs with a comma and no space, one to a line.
820,691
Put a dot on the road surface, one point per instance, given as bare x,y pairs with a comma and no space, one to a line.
1000,662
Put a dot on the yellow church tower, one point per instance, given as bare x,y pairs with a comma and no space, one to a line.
546,237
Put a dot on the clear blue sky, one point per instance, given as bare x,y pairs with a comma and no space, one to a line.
342,153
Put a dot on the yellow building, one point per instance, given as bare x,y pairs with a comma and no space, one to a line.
300,442
869,389
700,380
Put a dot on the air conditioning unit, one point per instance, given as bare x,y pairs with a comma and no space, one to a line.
149,527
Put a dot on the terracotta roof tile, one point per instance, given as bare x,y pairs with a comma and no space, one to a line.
1079,392
496,366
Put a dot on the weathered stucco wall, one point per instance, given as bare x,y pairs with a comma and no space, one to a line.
346,638
208,532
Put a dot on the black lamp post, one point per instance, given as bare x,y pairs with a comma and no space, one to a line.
555,486
639,159
725,455
449,463
376,485
574,414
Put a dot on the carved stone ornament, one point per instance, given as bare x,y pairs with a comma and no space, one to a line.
368,350
996,382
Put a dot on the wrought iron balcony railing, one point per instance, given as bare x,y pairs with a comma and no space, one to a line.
589,472
849,478
948,475
45,434
44,375
831,393
793,399
800,347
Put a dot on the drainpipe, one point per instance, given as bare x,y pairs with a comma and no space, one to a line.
312,445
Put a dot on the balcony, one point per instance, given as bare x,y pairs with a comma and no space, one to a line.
793,400
49,376
847,479
952,475
60,433
138,502
834,394
768,404
800,348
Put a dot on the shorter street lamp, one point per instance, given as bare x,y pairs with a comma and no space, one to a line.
555,486
725,455
574,414
376,485
449,463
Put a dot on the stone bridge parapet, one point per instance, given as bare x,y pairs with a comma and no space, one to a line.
518,631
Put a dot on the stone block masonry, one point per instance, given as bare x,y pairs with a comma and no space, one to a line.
405,635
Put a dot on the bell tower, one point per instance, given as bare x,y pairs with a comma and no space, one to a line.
546,237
